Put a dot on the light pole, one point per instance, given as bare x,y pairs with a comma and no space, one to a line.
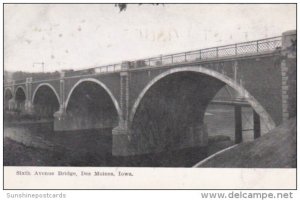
40,63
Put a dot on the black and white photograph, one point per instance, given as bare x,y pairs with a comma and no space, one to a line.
92,89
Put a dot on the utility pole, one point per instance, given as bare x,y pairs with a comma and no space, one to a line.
42,64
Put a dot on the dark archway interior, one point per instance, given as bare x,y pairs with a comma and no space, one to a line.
20,99
170,108
8,95
90,106
45,102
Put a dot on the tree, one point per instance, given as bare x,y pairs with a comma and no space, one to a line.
123,6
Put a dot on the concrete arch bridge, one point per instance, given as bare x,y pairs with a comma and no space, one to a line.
150,103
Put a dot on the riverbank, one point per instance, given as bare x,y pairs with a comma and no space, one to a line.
22,148
93,147
276,149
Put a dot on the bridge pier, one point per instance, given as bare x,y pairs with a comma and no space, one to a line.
238,124
12,105
124,145
256,125
29,107
60,115
59,119
121,141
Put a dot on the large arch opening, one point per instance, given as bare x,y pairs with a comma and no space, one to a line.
20,98
172,107
7,96
90,106
45,102
90,113
171,110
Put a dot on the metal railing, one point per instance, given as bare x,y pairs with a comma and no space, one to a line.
95,70
252,47
238,49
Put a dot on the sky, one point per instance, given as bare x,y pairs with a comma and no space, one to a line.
73,36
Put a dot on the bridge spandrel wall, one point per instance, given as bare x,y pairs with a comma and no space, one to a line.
226,67
112,82
23,86
261,77
90,102
139,80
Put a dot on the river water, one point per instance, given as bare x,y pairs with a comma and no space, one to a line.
93,147
220,121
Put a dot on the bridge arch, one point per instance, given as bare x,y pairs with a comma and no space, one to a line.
103,86
270,124
8,94
8,89
46,85
20,89
20,98
45,100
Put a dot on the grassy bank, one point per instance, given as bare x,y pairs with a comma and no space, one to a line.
277,149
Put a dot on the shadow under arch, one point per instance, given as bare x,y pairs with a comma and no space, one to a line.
115,102
45,101
270,124
20,98
47,85
18,89
8,95
8,89
8,92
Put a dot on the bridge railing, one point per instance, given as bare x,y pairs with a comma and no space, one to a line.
238,49
108,68
252,47
20,81
101,69
45,76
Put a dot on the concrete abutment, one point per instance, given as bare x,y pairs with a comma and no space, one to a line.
288,74
124,143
